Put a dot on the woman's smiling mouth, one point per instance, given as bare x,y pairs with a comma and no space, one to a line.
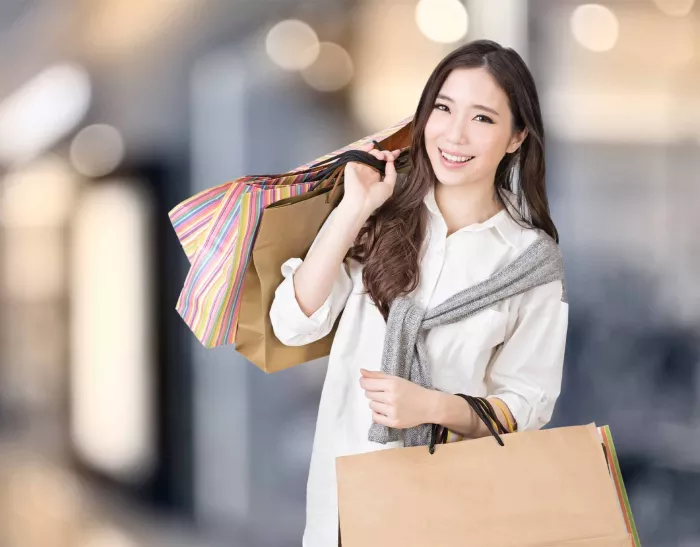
451,160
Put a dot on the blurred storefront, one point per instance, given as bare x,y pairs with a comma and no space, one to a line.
118,429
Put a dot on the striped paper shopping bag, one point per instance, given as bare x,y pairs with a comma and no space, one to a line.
217,229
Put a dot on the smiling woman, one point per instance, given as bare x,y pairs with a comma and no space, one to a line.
446,284
463,130
479,102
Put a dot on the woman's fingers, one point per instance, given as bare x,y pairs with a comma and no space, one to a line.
367,146
390,170
372,384
379,396
380,408
381,419
385,155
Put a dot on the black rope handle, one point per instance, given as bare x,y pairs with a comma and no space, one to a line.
331,176
360,156
486,413
326,167
488,409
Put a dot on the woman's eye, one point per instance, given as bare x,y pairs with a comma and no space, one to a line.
484,118
441,107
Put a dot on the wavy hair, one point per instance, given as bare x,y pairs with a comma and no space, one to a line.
389,243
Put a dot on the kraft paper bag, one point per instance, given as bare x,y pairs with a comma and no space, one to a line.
543,488
287,230
254,337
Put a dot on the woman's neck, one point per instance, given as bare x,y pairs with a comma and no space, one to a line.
466,205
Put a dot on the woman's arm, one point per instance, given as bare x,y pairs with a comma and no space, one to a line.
364,192
314,279
315,290
455,414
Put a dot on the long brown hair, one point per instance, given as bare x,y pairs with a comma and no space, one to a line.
389,244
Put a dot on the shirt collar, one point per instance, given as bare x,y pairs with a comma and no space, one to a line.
508,228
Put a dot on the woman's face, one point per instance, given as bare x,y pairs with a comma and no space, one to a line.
471,120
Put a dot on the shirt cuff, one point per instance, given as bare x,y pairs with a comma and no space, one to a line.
519,408
294,316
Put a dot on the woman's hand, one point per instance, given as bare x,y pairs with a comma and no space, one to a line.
364,189
396,402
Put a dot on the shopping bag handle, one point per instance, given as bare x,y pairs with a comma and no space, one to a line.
323,168
337,169
360,156
483,409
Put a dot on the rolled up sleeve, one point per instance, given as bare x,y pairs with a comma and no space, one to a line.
526,371
289,323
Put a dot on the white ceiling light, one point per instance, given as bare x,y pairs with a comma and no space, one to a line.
292,45
42,111
675,8
442,21
97,150
332,70
595,27
112,411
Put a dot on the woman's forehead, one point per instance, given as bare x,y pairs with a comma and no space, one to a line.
474,86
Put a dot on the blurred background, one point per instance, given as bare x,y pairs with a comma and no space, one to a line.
117,429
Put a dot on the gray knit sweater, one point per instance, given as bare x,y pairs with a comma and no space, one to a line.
405,353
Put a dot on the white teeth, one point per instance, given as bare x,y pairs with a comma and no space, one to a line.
457,159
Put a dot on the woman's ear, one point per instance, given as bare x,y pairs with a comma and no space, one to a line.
516,141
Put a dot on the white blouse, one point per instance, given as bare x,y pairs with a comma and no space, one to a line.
514,350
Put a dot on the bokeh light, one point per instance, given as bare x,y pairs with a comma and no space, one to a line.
43,111
292,45
332,70
595,27
111,329
442,21
97,150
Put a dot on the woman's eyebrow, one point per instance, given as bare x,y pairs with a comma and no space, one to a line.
487,108
477,106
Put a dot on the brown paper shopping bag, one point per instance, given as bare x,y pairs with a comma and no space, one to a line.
287,230
299,221
542,489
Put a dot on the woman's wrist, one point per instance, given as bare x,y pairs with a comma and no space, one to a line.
354,213
452,412
435,406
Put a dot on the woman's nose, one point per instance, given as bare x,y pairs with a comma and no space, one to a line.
457,133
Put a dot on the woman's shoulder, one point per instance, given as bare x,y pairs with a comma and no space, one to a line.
514,224
518,222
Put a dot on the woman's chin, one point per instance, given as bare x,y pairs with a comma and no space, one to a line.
450,180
